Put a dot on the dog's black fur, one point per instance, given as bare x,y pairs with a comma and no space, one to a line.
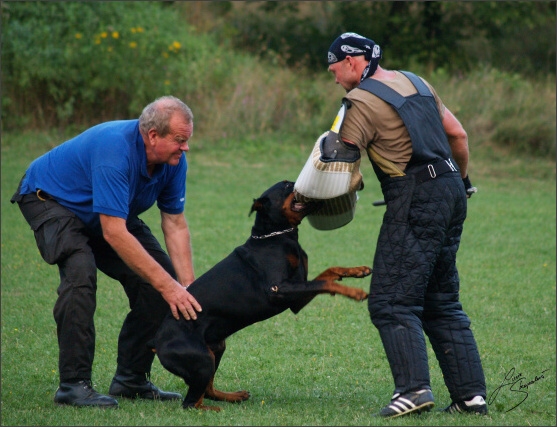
258,280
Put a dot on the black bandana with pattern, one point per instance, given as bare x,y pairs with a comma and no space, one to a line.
355,45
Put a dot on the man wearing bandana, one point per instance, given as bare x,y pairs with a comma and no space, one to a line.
419,152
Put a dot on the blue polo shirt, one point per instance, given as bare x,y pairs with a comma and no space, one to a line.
104,170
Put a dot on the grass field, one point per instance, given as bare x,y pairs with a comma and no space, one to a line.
326,365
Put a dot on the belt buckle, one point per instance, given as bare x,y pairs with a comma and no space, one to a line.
43,196
431,170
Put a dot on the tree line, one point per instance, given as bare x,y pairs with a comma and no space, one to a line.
513,36
250,65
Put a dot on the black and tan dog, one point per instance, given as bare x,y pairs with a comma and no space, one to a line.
258,280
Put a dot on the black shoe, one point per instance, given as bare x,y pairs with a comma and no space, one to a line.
82,394
476,405
137,386
413,402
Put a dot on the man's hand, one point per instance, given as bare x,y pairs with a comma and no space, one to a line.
181,301
468,186
138,259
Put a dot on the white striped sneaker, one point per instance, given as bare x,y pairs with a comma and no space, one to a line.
412,402
476,405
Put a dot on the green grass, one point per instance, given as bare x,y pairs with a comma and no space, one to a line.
326,365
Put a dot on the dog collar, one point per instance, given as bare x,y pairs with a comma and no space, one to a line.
274,233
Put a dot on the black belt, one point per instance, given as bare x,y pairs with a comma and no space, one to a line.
433,170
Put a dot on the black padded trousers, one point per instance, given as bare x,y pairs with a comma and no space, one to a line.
415,286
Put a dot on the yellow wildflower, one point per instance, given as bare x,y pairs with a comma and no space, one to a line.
78,35
104,34
133,45
115,34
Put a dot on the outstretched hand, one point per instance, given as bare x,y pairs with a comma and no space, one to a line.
181,301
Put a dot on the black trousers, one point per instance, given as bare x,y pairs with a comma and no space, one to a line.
63,239
415,286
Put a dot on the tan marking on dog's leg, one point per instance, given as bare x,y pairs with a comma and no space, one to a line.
199,405
234,397
338,273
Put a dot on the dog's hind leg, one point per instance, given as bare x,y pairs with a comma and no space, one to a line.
225,396
211,392
199,370
186,355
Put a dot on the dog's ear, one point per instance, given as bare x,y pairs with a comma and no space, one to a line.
257,206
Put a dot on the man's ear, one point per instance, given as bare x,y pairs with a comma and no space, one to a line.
152,134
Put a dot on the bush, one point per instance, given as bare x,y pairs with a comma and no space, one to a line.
502,108
65,62
525,116
259,99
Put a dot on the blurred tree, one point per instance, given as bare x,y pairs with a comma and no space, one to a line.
434,34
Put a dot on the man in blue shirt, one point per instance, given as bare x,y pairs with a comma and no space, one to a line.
82,200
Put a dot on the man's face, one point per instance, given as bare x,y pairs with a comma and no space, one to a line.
344,73
169,148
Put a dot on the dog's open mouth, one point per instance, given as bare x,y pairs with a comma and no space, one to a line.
305,207
297,206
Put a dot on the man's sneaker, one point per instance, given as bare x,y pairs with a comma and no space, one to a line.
476,405
137,386
82,394
413,402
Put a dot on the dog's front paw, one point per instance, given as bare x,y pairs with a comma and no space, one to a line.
356,294
362,271
360,295
338,273
356,272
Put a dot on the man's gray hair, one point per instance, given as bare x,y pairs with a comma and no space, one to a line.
158,113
